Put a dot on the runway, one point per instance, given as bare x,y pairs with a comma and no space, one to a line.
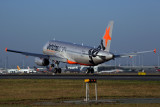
81,77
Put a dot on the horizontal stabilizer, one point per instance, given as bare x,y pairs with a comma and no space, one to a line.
133,54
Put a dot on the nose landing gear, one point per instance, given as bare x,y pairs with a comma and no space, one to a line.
57,70
90,70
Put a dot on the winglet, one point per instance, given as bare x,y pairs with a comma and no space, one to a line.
6,49
154,51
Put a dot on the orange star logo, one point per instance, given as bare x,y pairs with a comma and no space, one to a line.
107,36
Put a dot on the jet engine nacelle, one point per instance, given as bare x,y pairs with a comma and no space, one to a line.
42,61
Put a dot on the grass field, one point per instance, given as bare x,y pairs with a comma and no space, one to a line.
23,92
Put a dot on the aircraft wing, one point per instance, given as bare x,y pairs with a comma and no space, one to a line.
28,54
133,54
56,58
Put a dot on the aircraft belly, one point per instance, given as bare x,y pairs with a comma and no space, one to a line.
84,59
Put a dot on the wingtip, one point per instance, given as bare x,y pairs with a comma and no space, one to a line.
154,50
6,49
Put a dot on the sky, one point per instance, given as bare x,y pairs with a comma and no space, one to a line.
26,25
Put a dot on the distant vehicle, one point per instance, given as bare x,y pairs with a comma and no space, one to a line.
57,51
157,69
43,70
3,71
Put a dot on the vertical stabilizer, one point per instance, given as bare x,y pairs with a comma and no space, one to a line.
18,68
106,40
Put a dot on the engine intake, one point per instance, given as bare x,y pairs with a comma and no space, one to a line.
42,61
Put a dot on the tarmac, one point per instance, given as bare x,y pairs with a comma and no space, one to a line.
81,77
103,101
119,101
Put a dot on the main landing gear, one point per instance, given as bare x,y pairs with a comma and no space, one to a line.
90,70
57,69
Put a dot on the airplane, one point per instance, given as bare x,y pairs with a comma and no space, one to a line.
25,70
112,71
19,70
57,51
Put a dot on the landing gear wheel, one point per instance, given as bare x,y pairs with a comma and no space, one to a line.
89,70
92,70
52,65
59,70
55,70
